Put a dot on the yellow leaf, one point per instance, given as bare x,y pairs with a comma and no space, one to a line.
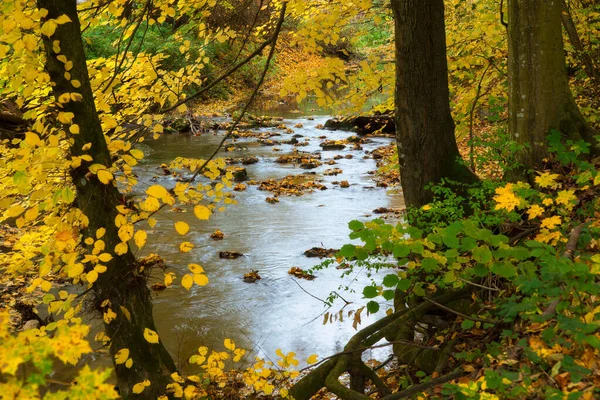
195,268
49,28
86,147
551,222
100,232
104,176
181,227
200,279
186,247
92,276
187,281
105,257
182,108
138,154
74,129
157,191
547,180
140,238
66,117
150,336
535,211
32,139
312,359
15,211
121,249
152,222
202,212
229,344
63,19
126,313
129,363
121,356
169,279
139,387
74,270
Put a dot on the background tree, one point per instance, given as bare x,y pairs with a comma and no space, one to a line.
427,150
540,99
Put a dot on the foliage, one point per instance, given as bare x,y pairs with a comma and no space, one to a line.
534,303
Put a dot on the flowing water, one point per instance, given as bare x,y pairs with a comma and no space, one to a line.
274,312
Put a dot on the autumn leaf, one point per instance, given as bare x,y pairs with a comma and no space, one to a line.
157,191
121,248
535,211
200,279
551,222
150,336
121,356
506,198
139,387
195,268
187,281
202,212
229,344
104,176
312,359
547,180
140,238
186,247
181,227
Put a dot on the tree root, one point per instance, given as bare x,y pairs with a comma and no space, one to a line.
328,373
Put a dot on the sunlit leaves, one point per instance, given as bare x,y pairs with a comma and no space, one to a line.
506,198
157,191
140,238
187,281
139,387
312,359
186,247
181,227
547,180
121,356
150,335
202,212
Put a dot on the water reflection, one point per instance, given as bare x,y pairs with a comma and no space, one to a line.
273,312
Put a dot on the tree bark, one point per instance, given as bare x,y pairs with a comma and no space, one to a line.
121,284
585,59
427,147
539,96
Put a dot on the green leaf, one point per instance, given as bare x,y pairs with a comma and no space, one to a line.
482,254
401,250
429,264
390,280
388,294
593,341
347,250
505,270
355,225
467,324
361,253
370,291
372,307
404,284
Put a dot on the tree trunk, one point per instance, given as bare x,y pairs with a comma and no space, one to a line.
427,147
539,96
121,284
584,57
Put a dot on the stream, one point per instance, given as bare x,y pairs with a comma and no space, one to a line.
274,312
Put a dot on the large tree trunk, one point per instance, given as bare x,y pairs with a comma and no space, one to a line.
427,147
539,96
121,285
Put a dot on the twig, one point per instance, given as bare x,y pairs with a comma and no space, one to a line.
478,285
310,294
465,316
273,42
